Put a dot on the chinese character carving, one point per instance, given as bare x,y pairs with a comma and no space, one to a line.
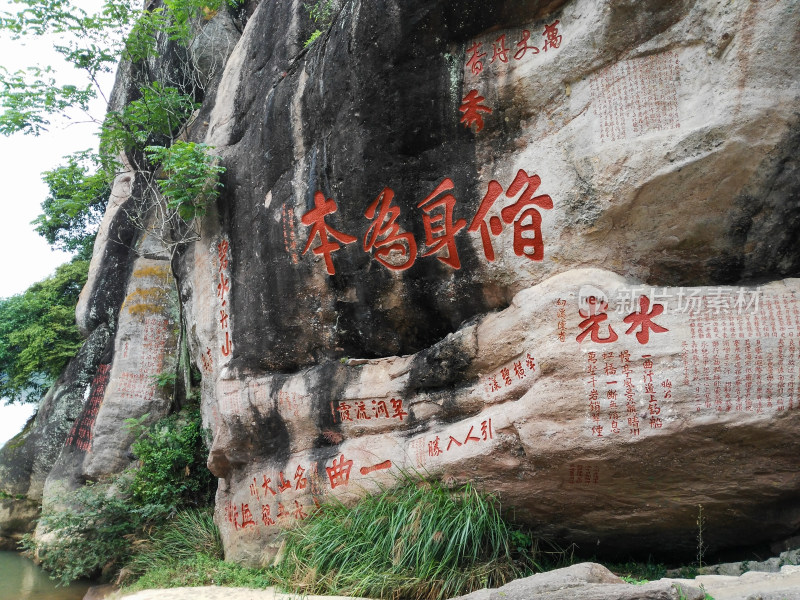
316,219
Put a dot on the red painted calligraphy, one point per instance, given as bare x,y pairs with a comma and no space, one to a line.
283,483
247,516
595,314
523,46
267,487
433,447
387,464
232,514
475,63
561,322
529,247
552,39
266,518
517,369
343,411
81,433
315,218
643,319
385,236
583,474
500,52
472,108
440,229
486,434
339,473
300,481
298,512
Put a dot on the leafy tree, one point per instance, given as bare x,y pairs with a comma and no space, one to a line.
154,118
78,194
38,335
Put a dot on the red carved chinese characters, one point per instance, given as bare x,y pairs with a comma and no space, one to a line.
339,472
643,319
385,237
223,290
440,230
517,213
484,434
595,314
342,411
523,46
315,218
517,369
266,518
247,516
475,63
500,52
552,39
80,435
472,108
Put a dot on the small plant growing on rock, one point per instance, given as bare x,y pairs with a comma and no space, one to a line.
321,12
191,177
701,545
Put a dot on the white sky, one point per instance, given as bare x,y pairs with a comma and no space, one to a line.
27,258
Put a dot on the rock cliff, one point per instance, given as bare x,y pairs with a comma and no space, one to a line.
547,247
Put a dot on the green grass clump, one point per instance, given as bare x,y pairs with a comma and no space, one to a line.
187,551
638,572
201,570
417,540
191,533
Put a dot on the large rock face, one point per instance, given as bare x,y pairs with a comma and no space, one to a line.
547,247
424,164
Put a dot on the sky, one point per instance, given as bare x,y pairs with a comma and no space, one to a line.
27,257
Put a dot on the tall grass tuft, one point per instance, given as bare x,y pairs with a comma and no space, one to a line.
191,533
417,540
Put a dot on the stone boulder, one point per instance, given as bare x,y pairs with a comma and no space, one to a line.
27,459
586,581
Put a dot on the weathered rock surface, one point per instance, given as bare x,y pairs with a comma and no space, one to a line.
27,459
586,581
753,585
734,569
590,442
662,137
546,247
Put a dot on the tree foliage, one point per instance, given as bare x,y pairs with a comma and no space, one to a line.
152,119
75,204
38,335
191,177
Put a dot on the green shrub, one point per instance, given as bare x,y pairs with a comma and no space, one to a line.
93,533
191,179
418,540
172,468
100,526
152,119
